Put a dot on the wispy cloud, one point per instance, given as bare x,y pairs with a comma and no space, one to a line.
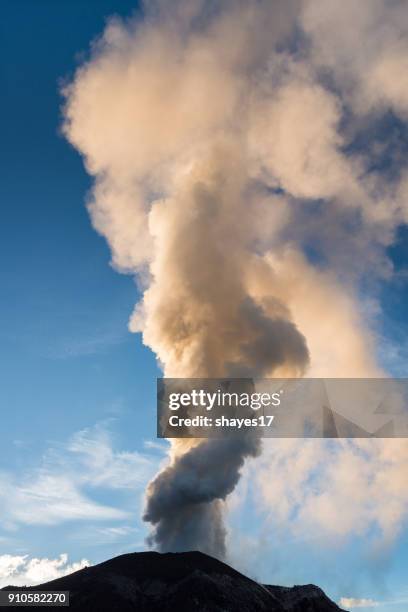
83,346
21,570
63,485
313,478
43,498
120,535
105,467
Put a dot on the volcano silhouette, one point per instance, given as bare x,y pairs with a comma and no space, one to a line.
178,582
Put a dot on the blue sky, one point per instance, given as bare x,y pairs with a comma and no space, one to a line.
77,389
68,361
67,356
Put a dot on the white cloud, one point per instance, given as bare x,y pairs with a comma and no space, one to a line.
356,602
48,499
62,486
106,467
352,602
314,478
21,570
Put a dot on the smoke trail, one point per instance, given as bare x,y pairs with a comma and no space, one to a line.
219,161
200,238
202,322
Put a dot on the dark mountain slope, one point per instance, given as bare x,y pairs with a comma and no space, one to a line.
179,582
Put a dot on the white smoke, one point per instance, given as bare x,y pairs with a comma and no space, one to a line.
220,138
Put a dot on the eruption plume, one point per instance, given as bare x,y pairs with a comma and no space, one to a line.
225,181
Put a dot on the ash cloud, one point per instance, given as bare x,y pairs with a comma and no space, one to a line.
184,500
219,137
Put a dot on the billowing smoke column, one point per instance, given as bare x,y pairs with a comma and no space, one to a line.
184,188
226,181
201,319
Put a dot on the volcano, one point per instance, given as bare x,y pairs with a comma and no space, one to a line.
178,582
